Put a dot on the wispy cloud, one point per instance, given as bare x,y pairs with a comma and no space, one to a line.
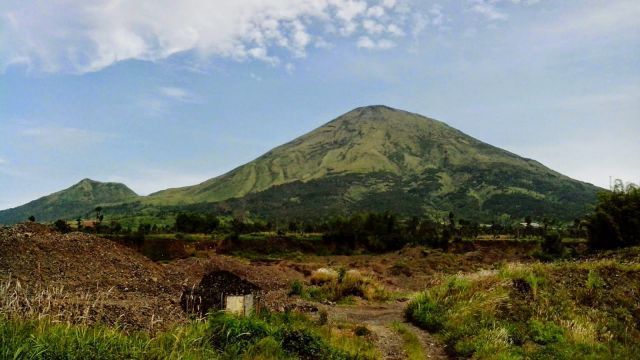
90,36
488,9
495,10
596,19
365,42
61,138
177,94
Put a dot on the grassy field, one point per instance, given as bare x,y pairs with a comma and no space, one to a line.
564,310
265,336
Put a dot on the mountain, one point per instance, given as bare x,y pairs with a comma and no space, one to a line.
372,158
78,200
376,159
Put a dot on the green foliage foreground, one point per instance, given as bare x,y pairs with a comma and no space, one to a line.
222,336
542,311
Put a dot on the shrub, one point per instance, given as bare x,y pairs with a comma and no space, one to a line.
400,268
361,330
545,332
552,244
594,281
296,288
323,275
226,330
616,220
323,317
304,344
62,226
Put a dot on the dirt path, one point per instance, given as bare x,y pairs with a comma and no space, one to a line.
378,319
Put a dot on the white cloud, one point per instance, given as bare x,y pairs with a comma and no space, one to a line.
373,27
394,30
175,93
488,9
597,19
376,11
84,36
63,138
389,3
366,42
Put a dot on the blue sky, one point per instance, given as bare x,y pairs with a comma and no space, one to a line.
159,94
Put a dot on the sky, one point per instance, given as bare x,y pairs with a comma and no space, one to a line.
161,93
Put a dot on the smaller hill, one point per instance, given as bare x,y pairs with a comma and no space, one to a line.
77,201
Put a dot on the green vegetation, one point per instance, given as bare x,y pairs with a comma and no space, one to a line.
372,159
80,200
616,220
538,311
222,336
340,286
411,343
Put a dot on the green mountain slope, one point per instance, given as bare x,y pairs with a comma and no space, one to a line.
371,159
378,158
78,200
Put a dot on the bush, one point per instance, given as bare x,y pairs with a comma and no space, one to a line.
552,244
296,288
361,330
616,220
62,226
323,317
226,330
304,344
545,332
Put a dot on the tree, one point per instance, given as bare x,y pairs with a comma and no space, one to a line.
32,218
99,214
616,219
62,226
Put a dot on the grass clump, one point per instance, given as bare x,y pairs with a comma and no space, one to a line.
411,342
537,311
341,286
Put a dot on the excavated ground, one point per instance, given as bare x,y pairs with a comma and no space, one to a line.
85,278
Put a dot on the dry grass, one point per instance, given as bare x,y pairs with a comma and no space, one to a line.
59,306
323,275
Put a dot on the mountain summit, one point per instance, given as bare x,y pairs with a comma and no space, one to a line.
377,158
78,200
372,158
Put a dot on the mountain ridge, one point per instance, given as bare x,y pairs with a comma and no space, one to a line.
369,155
77,200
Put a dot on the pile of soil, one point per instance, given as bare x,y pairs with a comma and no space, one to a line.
214,286
135,292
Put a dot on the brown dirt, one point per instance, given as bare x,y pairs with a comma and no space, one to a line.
134,291
378,318
141,294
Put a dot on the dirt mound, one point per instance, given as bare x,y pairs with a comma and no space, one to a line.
213,288
134,291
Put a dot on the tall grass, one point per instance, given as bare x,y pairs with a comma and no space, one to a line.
560,311
49,323
53,302
342,285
